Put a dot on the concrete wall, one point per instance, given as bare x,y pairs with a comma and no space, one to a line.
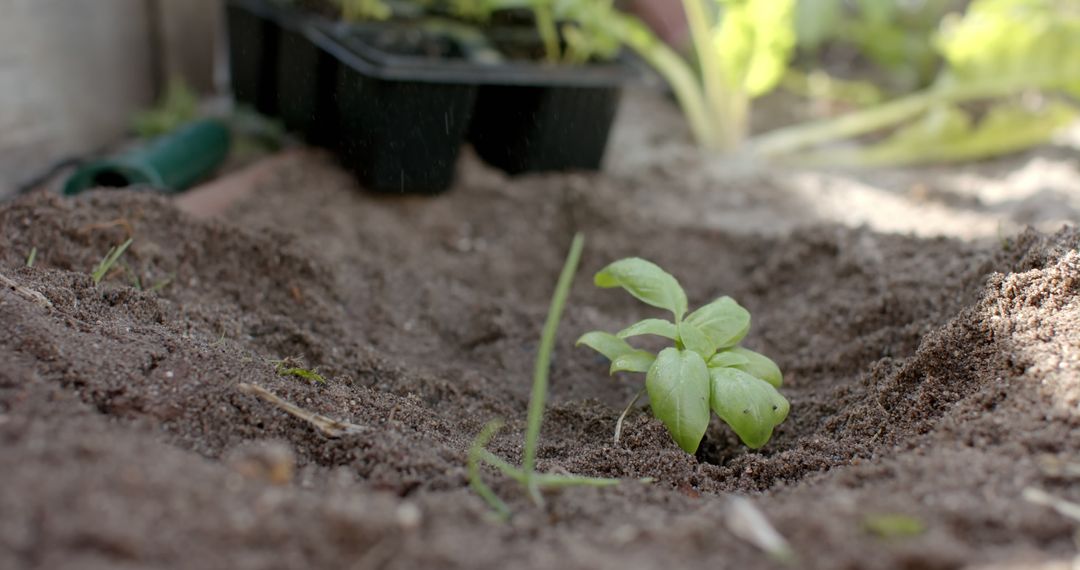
72,72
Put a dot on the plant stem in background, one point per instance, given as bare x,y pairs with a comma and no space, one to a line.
545,26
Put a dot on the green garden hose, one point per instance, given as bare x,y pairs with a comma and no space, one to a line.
170,163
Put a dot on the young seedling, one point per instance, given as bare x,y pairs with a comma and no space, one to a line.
32,257
106,264
526,475
292,367
705,369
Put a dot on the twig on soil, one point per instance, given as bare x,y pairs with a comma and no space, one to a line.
747,522
622,416
327,426
1053,466
1064,508
28,294
121,222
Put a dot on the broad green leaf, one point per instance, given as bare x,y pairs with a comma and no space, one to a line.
645,281
757,365
1025,44
723,321
658,327
607,344
754,43
637,361
751,406
693,338
727,359
678,387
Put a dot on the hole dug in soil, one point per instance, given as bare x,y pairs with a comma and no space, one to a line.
927,377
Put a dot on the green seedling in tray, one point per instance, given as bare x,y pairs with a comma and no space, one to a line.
705,369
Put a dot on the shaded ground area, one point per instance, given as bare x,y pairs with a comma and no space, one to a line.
928,377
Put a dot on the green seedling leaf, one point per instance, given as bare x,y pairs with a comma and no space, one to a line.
607,344
693,338
678,387
751,406
727,359
893,525
637,361
658,327
723,321
645,281
756,364
32,257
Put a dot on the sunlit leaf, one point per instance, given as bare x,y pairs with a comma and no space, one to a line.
645,281
678,387
754,43
751,406
1028,44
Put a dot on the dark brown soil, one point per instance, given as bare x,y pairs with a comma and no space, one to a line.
931,378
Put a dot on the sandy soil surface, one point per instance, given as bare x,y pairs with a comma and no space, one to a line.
933,373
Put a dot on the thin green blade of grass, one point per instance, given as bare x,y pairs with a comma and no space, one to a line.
106,264
538,399
32,257
476,452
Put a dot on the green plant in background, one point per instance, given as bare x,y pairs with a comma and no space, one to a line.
706,369
742,47
1018,59
895,36
526,475
106,264
179,105
360,10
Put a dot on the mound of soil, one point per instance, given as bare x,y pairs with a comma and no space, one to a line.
931,378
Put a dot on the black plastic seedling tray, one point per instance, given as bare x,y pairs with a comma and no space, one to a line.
279,71
402,119
398,120
254,41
